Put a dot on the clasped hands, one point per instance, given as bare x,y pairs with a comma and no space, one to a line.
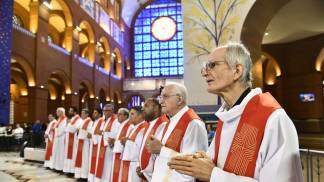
198,165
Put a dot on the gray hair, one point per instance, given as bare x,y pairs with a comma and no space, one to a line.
124,111
181,90
61,109
109,106
237,53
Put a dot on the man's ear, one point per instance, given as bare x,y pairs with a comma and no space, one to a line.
238,71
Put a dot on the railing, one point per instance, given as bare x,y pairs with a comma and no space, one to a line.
85,61
23,30
58,48
313,165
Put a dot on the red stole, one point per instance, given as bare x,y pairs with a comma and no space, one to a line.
95,148
102,151
71,138
60,121
49,148
243,153
176,136
132,137
78,160
117,160
145,154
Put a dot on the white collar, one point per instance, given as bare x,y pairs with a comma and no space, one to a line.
179,114
236,111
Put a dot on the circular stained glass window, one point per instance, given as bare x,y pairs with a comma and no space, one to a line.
163,28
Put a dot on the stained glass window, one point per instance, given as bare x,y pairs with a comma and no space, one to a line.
153,57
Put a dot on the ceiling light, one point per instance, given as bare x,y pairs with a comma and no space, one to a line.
47,4
78,28
42,86
75,93
266,34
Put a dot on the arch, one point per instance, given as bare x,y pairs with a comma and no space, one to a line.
117,98
22,13
26,67
319,64
272,69
86,41
61,5
256,22
21,83
117,63
85,26
64,78
105,52
89,86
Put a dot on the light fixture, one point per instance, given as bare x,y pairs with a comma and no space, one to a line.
113,55
266,34
99,44
78,28
42,86
119,102
97,98
75,93
47,3
132,84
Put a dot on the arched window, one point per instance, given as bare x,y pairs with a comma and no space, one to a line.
16,20
158,44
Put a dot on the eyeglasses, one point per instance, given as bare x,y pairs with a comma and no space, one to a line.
164,97
210,65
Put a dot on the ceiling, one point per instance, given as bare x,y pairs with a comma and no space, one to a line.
296,20
129,9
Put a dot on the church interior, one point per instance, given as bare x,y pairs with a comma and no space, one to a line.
89,53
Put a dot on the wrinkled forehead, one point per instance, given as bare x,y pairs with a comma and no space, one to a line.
217,54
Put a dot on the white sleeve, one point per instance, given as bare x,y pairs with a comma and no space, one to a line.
194,140
278,156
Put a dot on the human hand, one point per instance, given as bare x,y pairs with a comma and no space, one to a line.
123,140
199,165
153,145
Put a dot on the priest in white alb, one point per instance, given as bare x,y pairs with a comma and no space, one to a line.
95,133
49,137
255,139
124,129
185,134
71,139
59,137
83,147
152,114
130,158
109,129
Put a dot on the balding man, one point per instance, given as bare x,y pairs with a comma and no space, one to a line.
185,134
109,132
255,139
59,137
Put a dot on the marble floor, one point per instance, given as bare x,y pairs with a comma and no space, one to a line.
13,168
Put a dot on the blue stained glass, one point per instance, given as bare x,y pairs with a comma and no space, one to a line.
180,44
155,54
173,53
164,45
164,54
138,47
147,38
155,71
173,70
147,46
155,63
146,29
138,64
147,55
147,72
138,30
153,57
138,72
138,38
173,44
165,71
164,62
138,55
173,62
155,45
180,53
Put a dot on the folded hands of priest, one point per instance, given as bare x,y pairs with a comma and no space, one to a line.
199,165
